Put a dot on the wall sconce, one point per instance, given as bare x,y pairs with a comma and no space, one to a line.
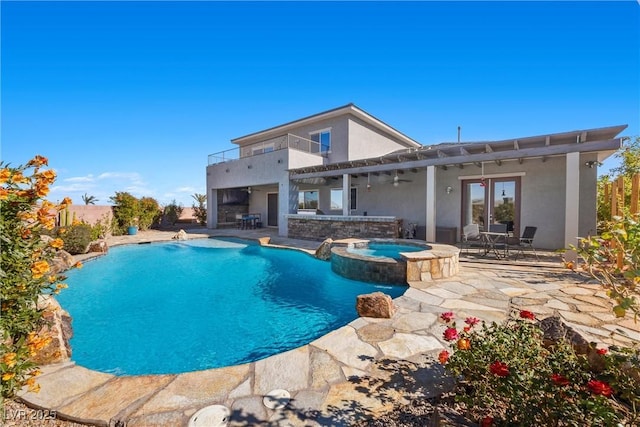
592,163
249,190
449,189
279,160
249,167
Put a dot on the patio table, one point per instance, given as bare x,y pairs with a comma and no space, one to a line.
491,240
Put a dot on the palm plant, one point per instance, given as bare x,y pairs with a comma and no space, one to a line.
89,200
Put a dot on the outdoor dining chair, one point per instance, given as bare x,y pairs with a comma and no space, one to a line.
526,241
470,235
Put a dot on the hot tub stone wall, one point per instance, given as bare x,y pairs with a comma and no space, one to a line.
368,269
439,263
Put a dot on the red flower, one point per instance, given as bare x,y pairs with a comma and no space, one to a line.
602,351
527,315
559,380
486,421
600,388
443,356
500,369
450,334
472,321
447,316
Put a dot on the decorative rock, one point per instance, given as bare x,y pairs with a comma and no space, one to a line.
99,246
554,330
324,250
181,235
264,241
58,330
61,262
376,304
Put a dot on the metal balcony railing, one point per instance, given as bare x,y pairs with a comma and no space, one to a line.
274,144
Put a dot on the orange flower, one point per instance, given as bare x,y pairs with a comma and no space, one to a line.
78,265
569,264
7,376
47,176
4,175
9,359
443,356
57,243
38,161
42,189
19,178
464,344
39,268
26,233
65,202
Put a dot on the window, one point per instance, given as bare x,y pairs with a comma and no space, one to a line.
336,199
308,199
323,138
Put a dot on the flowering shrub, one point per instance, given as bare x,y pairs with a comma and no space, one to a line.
24,271
506,376
613,258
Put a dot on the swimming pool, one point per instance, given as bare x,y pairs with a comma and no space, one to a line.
185,306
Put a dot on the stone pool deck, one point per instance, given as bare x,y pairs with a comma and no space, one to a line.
357,371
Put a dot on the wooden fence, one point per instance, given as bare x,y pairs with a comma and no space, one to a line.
614,192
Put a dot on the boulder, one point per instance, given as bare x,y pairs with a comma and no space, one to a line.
180,235
99,246
57,331
61,262
376,304
324,250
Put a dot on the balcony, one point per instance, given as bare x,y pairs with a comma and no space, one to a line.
274,144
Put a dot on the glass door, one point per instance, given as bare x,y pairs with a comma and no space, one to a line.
492,201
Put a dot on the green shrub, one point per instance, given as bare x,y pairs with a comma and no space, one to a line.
76,237
149,212
172,212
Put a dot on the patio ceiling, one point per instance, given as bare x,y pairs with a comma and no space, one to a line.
460,154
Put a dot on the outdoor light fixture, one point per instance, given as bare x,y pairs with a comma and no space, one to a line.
396,180
448,189
592,163
249,190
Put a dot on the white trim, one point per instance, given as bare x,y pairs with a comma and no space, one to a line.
431,204
572,204
492,175
321,130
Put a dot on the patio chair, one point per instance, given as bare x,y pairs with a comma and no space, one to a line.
470,235
526,241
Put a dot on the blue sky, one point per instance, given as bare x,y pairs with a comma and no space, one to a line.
133,96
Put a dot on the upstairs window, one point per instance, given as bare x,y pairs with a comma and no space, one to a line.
323,138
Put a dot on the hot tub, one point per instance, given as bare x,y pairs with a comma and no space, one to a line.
397,262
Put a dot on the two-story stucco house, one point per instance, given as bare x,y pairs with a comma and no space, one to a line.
345,173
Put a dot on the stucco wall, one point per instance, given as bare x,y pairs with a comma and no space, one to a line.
542,196
366,142
91,214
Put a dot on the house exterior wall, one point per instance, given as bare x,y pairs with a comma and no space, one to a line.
542,199
366,142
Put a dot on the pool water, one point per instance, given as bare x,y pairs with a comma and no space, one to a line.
388,250
184,306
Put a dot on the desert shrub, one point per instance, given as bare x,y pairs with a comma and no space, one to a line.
149,212
76,237
172,212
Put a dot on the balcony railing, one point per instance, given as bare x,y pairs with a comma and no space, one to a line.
279,143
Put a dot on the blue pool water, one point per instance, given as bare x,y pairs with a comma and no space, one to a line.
186,306
389,250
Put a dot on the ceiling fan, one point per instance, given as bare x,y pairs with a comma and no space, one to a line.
397,180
